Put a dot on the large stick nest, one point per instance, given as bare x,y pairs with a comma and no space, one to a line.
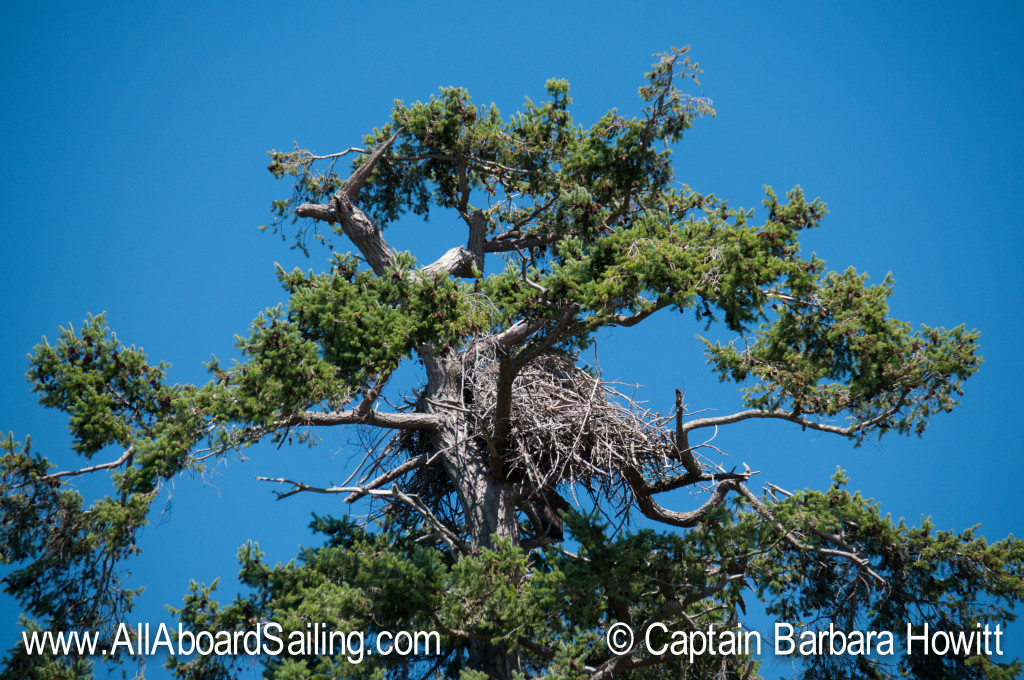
568,429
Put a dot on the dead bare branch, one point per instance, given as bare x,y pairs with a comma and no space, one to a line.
451,539
124,458
398,421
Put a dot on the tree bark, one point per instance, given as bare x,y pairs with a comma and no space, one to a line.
487,501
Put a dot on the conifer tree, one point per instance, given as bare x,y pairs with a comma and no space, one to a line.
494,467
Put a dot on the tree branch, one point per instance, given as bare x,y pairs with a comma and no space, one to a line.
462,261
564,327
511,241
793,417
517,332
354,183
397,421
649,507
777,414
683,450
359,228
679,481
450,538
366,405
457,262
316,211
792,539
503,402
388,476
477,236
125,457
351,149
634,319
643,492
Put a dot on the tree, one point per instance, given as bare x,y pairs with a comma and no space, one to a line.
477,536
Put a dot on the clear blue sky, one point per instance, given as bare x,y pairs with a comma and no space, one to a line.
135,138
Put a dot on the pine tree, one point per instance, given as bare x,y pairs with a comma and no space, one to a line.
489,484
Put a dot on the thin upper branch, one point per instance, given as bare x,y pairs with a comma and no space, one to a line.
359,228
683,450
351,149
634,319
680,481
354,183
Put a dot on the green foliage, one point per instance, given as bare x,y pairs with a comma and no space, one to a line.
360,581
365,325
65,555
68,551
108,391
947,580
839,352
282,373
555,607
17,664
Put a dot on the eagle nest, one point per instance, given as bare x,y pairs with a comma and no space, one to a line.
568,429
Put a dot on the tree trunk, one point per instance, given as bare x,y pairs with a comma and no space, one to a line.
487,500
